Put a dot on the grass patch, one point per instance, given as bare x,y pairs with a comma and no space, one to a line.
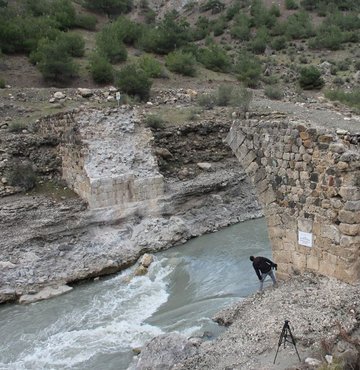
349,98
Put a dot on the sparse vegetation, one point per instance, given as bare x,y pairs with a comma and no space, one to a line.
310,78
273,92
150,65
350,98
16,127
154,121
182,63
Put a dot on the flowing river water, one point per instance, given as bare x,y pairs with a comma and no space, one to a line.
97,325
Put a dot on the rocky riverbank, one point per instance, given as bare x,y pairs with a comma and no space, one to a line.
324,319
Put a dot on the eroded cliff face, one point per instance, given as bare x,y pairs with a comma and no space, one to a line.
55,240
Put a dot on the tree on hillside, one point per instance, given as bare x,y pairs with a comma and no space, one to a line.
55,63
109,7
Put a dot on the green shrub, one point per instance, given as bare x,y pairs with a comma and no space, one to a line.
149,16
133,81
86,21
182,63
214,58
109,44
154,121
2,83
63,12
350,98
21,175
248,69
273,92
109,7
275,10
150,65
16,127
344,65
258,44
224,95
219,26
241,99
73,43
168,35
233,10
278,43
241,27
100,69
261,16
54,62
328,37
207,101
291,4
310,78
126,30
299,26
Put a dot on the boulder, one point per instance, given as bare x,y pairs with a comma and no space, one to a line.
59,95
85,93
7,294
204,166
147,259
165,351
140,270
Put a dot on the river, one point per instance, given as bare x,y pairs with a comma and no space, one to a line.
97,325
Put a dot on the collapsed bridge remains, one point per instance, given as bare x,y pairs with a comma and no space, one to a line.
308,180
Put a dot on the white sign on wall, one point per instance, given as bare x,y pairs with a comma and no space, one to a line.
305,239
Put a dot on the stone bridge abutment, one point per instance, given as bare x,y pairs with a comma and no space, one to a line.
308,181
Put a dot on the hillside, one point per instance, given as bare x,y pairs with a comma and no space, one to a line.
261,44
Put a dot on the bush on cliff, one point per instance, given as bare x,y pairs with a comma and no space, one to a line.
310,78
100,69
182,63
134,81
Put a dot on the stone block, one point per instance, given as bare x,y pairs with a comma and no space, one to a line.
350,192
312,262
349,217
299,260
348,241
327,265
331,232
350,229
352,206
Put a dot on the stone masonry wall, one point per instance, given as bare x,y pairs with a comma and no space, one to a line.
308,180
106,157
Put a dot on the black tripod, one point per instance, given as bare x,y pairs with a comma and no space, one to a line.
286,331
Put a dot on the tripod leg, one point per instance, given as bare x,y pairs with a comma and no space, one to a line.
276,354
279,344
293,341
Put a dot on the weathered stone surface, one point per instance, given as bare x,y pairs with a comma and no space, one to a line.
46,293
165,351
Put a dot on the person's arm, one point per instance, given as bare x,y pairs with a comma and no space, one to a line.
271,263
257,272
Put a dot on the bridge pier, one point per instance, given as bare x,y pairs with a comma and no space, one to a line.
308,181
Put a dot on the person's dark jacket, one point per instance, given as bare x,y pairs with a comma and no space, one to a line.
263,265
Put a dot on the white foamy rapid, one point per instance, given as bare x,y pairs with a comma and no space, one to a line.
111,322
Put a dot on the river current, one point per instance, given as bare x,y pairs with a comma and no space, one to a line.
97,325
